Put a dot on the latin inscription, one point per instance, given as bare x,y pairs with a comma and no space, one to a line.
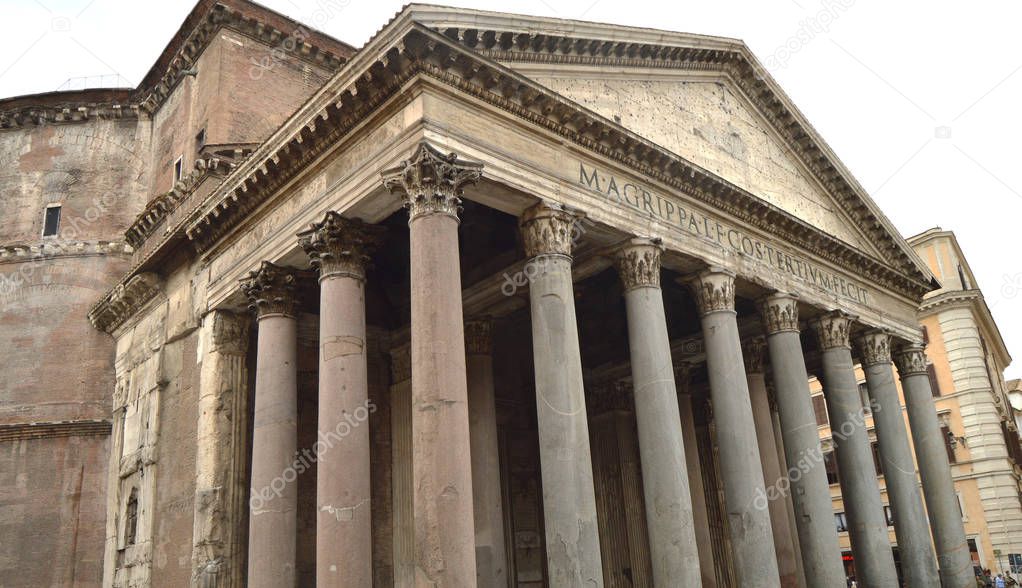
650,203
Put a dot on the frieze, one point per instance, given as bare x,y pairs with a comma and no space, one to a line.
648,202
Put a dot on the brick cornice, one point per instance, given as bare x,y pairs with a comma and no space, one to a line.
53,429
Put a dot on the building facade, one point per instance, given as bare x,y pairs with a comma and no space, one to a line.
494,300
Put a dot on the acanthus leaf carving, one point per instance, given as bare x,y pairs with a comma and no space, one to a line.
432,182
340,247
638,263
271,290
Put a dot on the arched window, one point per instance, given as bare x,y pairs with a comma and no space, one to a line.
131,518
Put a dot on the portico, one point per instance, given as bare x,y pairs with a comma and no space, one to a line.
536,275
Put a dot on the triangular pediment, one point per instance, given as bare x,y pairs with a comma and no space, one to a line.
708,122
725,113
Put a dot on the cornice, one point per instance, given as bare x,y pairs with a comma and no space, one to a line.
146,223
954,298
22,252
124,301
729,57
54,429
70,111
349,99
156,87
398,55
151,98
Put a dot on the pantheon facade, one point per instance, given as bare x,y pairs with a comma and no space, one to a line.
493,300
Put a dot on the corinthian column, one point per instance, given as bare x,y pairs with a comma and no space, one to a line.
810,492
569,500
867,526
774,479
914,547
340,249
672,539
482,410
431,183
934,469
740,469
221,451
274,498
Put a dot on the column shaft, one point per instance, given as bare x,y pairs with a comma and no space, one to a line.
914,547
339,248
772,474
343,522
491,560
789,509
442,468
741,472
860,492
941,503
700,520
673,549
810,492
569,500
431,182
273,504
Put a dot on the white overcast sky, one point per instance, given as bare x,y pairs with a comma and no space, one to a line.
919,99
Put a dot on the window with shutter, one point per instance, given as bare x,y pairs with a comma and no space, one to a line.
931,372
877,465
946,432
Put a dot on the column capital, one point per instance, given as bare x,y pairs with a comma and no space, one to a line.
431,181
549,229
340,247
753,352
478,339
638,263
832,330
271,290
875,346
779,312
910,359
713,289
228,332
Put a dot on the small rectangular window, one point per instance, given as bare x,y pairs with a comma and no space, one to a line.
889,515
877,462
178,169
51,221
